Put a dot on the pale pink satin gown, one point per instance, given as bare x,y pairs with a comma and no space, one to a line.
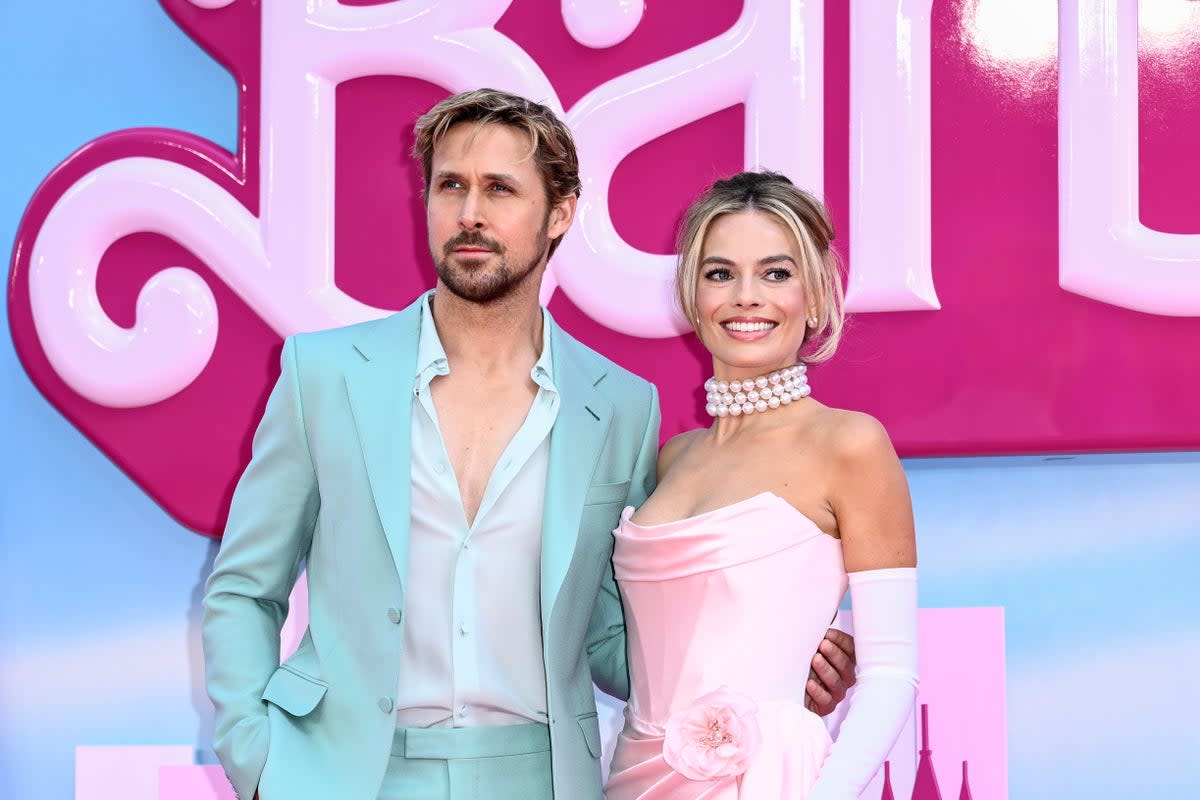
737,600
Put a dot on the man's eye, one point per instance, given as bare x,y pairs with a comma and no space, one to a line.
500,187
450,184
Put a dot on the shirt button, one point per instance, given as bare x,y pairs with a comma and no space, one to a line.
395,615
386,705
439,468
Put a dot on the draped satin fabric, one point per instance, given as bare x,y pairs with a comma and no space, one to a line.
738,598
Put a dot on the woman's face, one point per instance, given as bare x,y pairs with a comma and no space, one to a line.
750,296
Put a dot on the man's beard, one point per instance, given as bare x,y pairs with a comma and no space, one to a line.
483,285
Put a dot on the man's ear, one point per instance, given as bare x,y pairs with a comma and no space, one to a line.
562,214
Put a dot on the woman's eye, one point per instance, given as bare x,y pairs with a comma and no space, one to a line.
718,274
778,274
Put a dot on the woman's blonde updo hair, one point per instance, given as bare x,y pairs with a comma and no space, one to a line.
808,220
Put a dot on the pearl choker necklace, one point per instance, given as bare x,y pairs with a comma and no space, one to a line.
751,395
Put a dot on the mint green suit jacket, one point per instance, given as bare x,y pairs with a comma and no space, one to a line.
328,486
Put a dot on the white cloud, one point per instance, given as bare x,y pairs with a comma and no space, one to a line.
133,669
979,520
1129,703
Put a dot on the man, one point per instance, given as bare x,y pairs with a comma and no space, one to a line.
451,476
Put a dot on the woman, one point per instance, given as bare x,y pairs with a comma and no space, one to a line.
732,569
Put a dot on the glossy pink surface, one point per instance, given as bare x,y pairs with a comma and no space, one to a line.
1011,363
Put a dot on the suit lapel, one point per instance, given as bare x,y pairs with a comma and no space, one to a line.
579,431
380,389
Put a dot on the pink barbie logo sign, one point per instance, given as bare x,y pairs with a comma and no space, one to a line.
1014,195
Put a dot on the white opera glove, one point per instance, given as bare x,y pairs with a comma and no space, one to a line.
884,605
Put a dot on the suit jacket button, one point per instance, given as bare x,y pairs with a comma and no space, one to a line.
386,705
395,615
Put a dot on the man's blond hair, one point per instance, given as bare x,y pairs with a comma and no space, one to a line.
552,147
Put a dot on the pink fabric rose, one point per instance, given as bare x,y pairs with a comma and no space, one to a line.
716,737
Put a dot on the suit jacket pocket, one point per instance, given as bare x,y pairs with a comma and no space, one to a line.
589,723
296,694
600,493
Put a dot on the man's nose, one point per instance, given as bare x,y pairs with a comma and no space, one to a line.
470,214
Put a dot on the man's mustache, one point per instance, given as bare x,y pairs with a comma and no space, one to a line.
471,239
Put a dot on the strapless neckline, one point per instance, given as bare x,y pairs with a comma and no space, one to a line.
626,516
749,529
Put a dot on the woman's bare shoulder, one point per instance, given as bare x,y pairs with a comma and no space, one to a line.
674,446
853,437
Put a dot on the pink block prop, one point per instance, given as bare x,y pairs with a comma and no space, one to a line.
193,782
128,773
962,700
963,685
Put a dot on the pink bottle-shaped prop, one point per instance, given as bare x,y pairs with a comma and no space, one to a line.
965,792
887,782
925,787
